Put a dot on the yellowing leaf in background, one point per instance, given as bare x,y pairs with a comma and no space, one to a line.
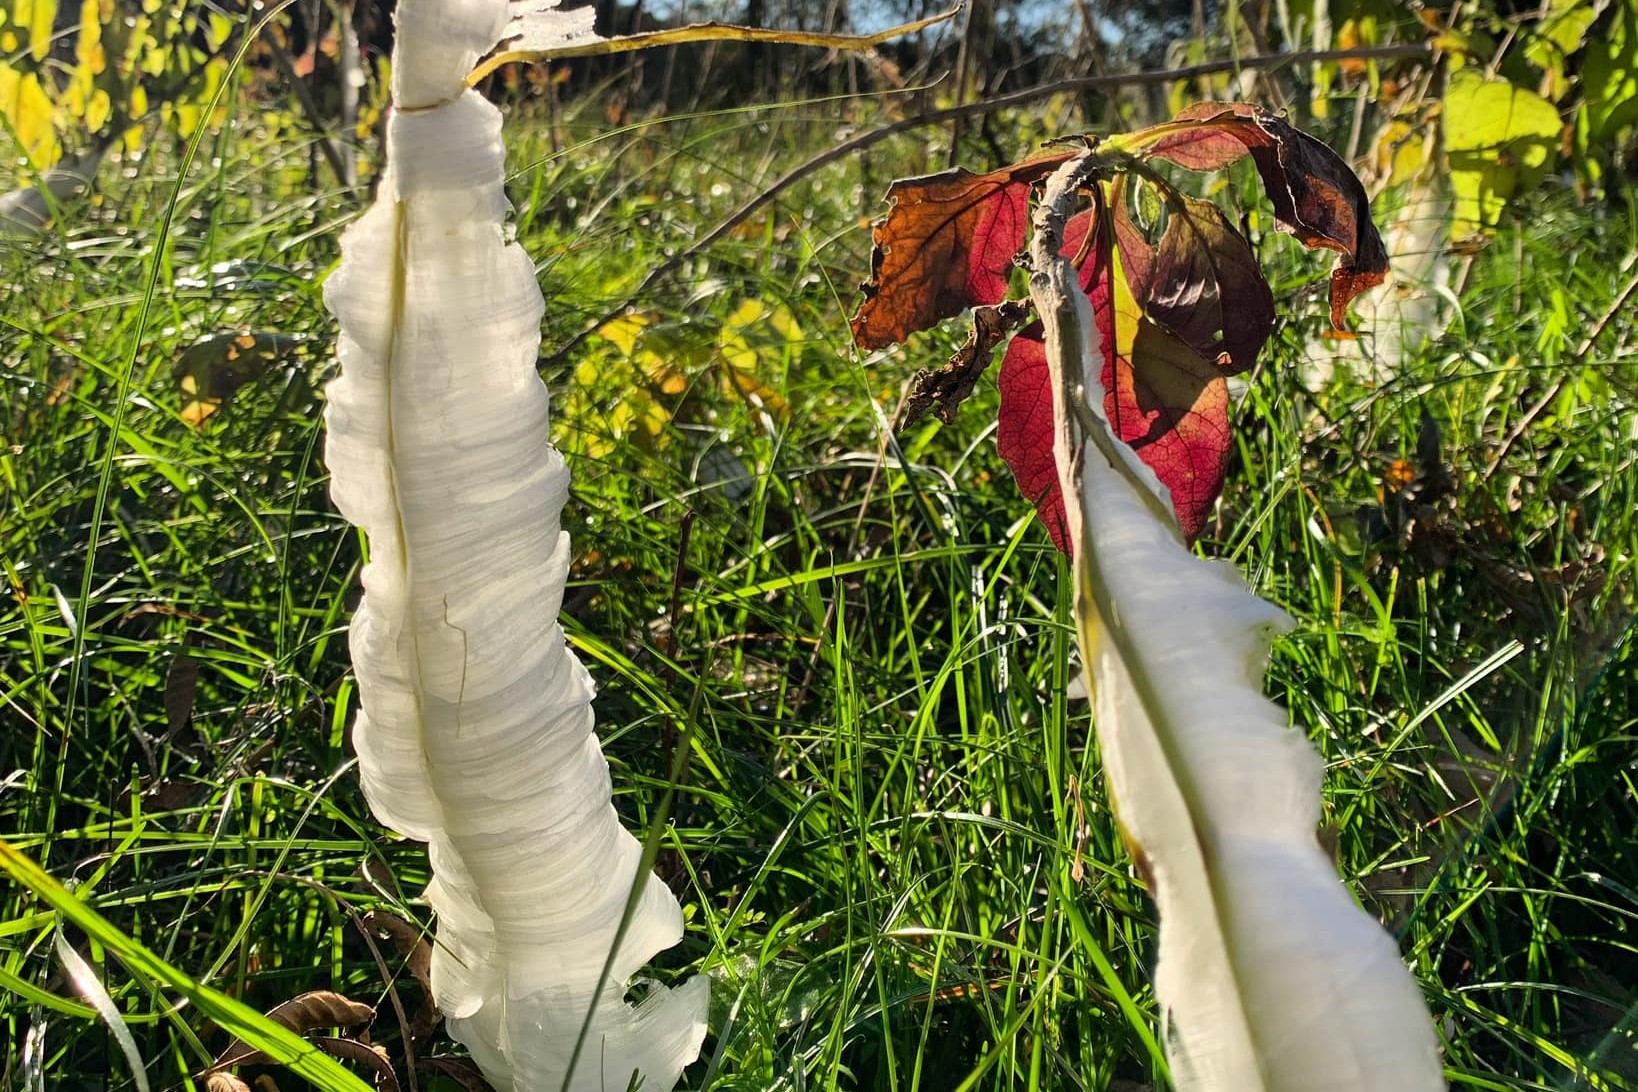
88,47
1559,37
1609,78
624,331
1400,153
24,103
1500,139
37,16
754,338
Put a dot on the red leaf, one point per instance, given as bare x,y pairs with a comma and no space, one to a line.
1024,429
1316,196
1137,253
1205,287
1171,406
1197,148
946,245
1162,398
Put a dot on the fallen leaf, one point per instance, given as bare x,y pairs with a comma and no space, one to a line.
181,686
351,1050
463,1071
409,939
946,245
213,369
301,1014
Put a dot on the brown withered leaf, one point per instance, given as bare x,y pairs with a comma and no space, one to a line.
1204,286
301,1014
946,245
225,1082
410,940
181,686
1316,196
211,371
951,385
365,1054
463,1071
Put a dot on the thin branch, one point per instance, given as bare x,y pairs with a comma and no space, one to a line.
1540,405
304,97
704,32
939,117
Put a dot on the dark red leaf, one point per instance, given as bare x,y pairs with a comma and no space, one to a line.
1205,287
1316,196
946,245
1137,253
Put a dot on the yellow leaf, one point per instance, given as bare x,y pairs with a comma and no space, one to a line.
624,331
28,111
1499,139
1399,154
662,374
37,16
756,392
745,314
139,106
653,420
88,49
736,352
98,111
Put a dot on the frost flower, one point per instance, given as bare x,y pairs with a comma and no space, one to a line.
475,734
1270,977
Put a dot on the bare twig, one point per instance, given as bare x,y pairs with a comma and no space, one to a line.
703,32
1540,405
304,96
939,117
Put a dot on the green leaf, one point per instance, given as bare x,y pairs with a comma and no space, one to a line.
1500,140
1560,35
1609,76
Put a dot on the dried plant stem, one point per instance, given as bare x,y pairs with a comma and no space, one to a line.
704,32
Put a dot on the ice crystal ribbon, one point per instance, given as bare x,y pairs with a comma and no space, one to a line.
475,733
1270,976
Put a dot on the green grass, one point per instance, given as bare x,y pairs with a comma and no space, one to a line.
888,800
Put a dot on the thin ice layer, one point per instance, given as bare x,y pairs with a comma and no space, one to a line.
476,731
